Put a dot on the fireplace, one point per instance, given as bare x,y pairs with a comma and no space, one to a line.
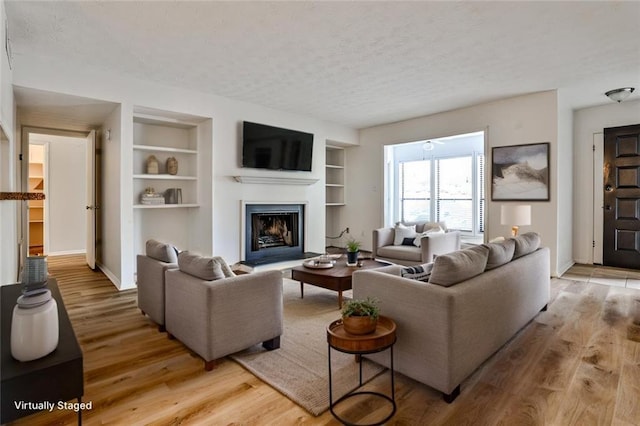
273,233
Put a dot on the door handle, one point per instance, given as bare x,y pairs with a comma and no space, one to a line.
608,188
607,207
89,207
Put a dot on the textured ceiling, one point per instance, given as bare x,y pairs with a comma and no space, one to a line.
355,63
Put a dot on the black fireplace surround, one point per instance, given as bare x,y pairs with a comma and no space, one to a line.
273,233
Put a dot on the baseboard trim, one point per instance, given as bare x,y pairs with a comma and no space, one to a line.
564,268
66,252
112,277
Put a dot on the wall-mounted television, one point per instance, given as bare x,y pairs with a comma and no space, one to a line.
268,147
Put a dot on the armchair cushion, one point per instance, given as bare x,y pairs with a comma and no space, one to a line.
402,232
205,268
452,268
417,241
161,251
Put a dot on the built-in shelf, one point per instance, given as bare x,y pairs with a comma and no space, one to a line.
165,177
164,149
163,121
335,176
165,206
276,180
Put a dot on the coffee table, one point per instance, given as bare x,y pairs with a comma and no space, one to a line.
337,278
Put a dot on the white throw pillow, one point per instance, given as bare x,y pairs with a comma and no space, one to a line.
402,232
418,240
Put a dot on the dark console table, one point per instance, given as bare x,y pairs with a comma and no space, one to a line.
56,378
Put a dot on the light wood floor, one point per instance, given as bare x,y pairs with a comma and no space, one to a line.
576,364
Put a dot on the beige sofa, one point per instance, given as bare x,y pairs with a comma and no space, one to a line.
216,313
151,267
383,247
446,331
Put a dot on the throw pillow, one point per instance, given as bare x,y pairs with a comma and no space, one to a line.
402,232
161,251
205,268
452,268
526,243
500,253
417,241
419,272
434,225
408,241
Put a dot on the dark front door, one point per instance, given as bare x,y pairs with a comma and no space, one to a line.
622,197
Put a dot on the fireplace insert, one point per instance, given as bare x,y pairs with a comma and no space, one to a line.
274,232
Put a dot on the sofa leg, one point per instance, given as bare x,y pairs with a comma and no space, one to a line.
449,398
544,308
271,344
209,365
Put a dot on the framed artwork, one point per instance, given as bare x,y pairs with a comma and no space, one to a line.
520,172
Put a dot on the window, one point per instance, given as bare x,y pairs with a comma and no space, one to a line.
454,189
415,191
448,186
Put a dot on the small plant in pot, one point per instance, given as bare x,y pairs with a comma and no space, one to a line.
353,250
360,316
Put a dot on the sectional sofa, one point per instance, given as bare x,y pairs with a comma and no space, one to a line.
472,302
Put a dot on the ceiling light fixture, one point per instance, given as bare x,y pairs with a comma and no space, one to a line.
427,146
621,94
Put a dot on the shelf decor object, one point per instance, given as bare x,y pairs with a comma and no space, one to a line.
172,166
152,165
34,326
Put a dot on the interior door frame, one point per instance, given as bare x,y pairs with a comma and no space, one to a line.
25,131
598,198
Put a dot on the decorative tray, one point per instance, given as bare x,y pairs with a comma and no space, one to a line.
316,264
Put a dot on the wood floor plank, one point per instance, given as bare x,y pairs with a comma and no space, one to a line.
574,364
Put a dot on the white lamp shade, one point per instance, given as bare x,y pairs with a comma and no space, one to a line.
515,214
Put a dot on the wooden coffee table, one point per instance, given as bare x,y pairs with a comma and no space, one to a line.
337,278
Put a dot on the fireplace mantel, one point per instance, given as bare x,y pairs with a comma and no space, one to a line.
276,180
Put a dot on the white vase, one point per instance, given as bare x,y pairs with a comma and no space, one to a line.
34,331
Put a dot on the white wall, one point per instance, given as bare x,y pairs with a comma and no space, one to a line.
564,183
520,120
8,149
109,253
66,192
221,229
587,123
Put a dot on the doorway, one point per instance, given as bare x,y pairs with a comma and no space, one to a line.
58,167
621,189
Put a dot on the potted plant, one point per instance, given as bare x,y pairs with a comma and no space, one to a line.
360,316
353,249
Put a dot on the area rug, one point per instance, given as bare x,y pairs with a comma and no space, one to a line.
299,369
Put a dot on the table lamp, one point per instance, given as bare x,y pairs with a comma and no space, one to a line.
515,215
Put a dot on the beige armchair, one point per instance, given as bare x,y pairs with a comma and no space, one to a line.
216,313
383,247
151,266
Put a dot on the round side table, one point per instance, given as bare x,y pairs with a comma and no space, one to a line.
381,339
